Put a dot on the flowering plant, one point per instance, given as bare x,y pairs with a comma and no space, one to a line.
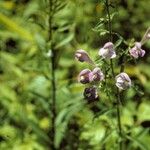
105,72
107,52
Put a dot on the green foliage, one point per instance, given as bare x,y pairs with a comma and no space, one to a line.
25,75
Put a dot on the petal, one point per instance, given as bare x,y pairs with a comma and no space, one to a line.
124,76
91,94
134,52
101,52
97,74
120,86
138,45
84,76
113,55
85,71
107,51
142,53
123,81
108,45
82,56
119,80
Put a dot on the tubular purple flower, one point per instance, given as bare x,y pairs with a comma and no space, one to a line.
82,56
84,76
136,51
123,81
91,94
107,51
97,75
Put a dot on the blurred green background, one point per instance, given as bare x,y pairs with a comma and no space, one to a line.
25,74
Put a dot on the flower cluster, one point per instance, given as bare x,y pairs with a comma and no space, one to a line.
137,51
92,77
88,76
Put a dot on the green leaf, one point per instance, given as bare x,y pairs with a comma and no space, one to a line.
35,127
137,142
14,27
65,41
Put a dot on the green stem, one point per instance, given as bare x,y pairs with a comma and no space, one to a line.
53,82
110,33
109,20
113,73
112,68
119,118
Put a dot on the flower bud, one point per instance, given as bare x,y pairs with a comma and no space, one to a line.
136,51
107,52
82,56
91,94
123,81
84,76
146,36
97,75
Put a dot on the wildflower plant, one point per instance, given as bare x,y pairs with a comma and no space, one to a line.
105,68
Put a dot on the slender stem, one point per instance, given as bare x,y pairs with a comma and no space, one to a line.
122,67
144,39
113,73
118,118
110,33
107,92
109,20
112,68
53,82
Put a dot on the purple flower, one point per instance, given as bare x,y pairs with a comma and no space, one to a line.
85,76
107,52
91,94
97,75
123,81
82,56
136,51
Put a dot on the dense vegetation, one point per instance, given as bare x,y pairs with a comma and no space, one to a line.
42,105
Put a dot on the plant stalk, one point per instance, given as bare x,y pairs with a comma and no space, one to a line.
109,20
119,118
113,73
53,81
